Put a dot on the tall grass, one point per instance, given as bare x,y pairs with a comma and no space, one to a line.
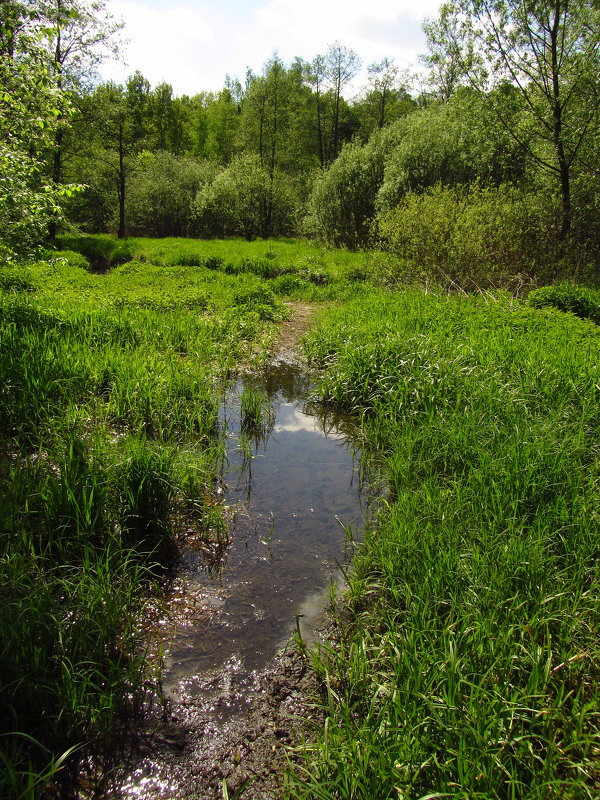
109,443
469,664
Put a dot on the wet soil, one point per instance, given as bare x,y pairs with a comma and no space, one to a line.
235,735
227,731
291,332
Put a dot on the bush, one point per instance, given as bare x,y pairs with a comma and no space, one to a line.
455,143
245,200
579,300
162,193
342,203
474,236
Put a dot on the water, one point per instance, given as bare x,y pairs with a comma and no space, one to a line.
292,495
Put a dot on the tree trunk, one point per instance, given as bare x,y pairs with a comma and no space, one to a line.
563,164
121,232
58,139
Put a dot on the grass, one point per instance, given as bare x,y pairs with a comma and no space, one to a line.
468,665
256,414
466,661
294,268
579,300
109,446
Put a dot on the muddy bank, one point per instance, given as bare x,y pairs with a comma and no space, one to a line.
233,730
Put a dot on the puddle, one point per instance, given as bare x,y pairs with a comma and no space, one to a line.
292,494
236,700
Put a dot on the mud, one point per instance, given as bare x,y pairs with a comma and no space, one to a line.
228,731
233,731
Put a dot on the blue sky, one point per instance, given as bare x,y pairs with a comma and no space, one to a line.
193,44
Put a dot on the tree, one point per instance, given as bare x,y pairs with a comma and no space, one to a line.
316,76
385,100
138,102
341,206
383,77
30,105
222,122
246,200
162,190
449,55
342,65
550,52
113,142
78,34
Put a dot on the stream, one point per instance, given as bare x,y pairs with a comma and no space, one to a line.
292,496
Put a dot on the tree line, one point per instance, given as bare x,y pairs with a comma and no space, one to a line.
507,119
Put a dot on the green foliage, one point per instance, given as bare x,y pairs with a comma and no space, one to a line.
145,489
29,108
109,444
473,236
579,300
245,200
256,413
261,301
100,252
459,142
549,53
342,203
162,192
467,662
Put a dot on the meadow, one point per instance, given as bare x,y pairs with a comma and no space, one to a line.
465,662
467,666
110,449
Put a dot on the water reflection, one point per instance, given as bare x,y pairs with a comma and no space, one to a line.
288,489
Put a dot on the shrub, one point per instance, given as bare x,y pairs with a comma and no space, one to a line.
162,193
579,300
473,236
245,200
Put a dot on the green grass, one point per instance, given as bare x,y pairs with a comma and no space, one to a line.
466,663
569,297
109,447
294,268
256,414
468,666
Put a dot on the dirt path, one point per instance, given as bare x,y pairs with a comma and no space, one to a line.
227,733
291,331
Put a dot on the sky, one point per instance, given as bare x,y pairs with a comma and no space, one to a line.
194,44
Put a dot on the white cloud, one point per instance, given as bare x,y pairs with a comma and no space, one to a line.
194,45
164,44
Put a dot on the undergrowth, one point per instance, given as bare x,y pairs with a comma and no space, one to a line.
109,447
468,665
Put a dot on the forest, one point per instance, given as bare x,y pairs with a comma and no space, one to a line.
500,140
443,229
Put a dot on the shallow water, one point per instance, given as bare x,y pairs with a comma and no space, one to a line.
292,495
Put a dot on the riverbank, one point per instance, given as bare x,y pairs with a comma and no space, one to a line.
468,664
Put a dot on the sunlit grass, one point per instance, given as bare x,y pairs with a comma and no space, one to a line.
294,268
469,664
110,445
